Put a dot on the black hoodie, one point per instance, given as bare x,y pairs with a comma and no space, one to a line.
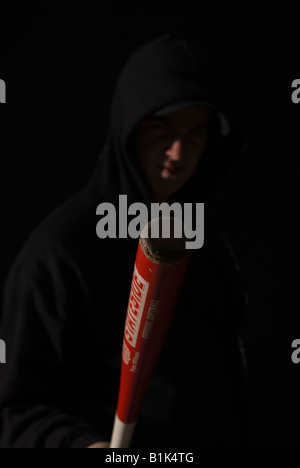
66,296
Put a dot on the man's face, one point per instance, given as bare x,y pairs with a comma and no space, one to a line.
170,147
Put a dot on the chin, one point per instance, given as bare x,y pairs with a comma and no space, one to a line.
169,193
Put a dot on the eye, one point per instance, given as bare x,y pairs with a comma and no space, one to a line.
156,125
199,130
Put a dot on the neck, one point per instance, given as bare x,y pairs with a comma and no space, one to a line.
161,199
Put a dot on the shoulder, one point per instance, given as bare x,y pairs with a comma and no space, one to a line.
60,235
223,265
223,251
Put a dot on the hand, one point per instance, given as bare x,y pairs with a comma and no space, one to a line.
98,445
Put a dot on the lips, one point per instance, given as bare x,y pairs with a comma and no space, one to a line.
168,170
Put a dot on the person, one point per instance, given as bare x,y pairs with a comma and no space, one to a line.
66,297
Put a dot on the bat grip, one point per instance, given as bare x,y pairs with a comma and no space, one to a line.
122,434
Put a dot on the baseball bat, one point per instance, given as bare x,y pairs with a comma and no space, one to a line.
159,271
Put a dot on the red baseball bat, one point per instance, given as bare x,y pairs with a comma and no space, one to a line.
159,271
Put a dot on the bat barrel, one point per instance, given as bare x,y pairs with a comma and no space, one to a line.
159,271
159,242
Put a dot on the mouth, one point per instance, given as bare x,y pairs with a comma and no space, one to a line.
170,172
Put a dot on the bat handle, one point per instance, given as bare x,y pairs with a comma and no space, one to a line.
122,434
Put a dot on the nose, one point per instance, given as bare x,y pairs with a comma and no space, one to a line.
174,152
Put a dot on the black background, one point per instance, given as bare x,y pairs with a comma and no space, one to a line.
61,61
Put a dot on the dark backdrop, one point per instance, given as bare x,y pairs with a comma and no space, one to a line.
61,61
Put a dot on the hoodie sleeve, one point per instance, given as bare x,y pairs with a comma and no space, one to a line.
37,387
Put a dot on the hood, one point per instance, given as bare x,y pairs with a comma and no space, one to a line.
158,76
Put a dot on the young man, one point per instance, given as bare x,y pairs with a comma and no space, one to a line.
67,294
